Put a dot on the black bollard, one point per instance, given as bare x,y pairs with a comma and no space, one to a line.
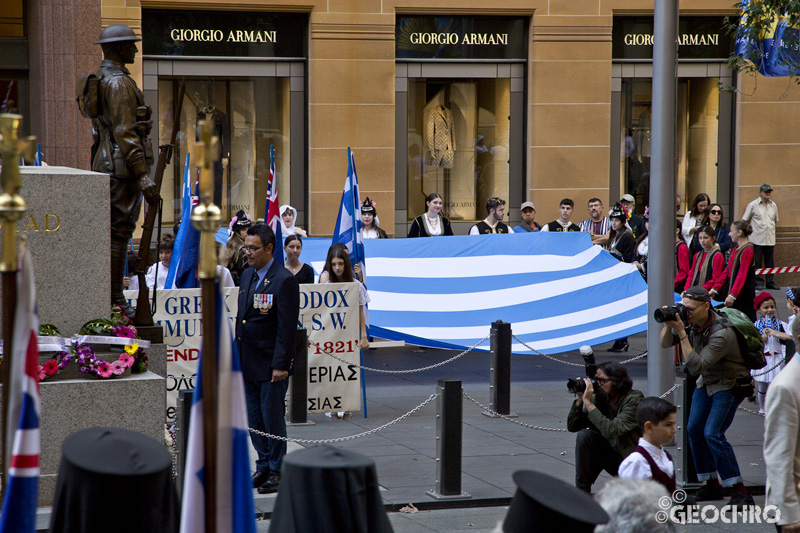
685,472
449,421
182,433
500,372
298,396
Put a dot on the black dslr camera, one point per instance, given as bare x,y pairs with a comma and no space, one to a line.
669,313
578,386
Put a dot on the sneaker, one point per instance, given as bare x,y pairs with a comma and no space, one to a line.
707,493
740,500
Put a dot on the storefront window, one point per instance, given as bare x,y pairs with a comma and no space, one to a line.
249,116
12,19
696,143
458,139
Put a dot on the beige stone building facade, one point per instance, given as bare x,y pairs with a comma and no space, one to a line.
546,99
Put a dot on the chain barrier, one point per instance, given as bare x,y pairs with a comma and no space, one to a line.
411,371
350,437
495,413
745,409
537,352
670,390
767,371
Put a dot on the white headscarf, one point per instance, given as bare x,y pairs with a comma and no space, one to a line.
288,230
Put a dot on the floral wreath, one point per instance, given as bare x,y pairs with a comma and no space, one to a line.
119,325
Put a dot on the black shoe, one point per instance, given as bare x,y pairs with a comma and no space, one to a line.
740,500
271,485
771,285
707,493
259,478
619,346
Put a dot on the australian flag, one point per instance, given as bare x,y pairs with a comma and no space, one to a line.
272,214
23,443
348,223
234,492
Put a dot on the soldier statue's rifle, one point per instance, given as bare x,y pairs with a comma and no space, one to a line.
144,314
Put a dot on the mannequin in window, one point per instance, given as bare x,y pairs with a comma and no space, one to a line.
440,137
221,128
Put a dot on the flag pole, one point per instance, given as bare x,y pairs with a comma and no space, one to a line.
206,218
12,207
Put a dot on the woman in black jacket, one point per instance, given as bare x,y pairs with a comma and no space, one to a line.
431,223
621,245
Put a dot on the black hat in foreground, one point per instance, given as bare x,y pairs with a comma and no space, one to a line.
545,503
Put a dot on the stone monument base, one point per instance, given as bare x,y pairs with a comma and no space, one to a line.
134,401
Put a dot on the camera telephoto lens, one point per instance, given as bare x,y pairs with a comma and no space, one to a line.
576,386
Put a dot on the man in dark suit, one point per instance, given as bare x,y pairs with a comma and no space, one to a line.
269,304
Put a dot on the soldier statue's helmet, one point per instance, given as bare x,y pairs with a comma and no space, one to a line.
117,33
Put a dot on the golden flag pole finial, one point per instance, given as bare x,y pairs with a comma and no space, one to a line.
12,206
206,216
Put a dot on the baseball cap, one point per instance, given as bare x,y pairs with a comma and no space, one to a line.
628,198
527,204
766,187
697,293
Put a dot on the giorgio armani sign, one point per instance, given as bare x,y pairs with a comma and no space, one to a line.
434,37
172,32
698,38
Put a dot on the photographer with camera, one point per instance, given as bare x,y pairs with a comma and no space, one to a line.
723,382
604,416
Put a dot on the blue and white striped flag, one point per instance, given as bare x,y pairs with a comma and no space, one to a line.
348,223
557,290
23,441
234,499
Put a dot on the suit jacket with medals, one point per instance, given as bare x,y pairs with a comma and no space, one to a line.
266,340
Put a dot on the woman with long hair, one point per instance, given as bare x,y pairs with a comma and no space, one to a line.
341,271
431,223
741,274
692,218
708,265
325,275
235,258
715,218
292,247
369,221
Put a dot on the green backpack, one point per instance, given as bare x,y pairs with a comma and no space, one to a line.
751,346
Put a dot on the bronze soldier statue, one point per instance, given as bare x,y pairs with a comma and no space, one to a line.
121,124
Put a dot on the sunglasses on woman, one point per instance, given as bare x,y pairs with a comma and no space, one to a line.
716,212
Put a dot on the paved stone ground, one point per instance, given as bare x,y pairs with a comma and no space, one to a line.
493,448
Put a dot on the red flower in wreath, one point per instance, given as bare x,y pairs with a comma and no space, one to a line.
51,367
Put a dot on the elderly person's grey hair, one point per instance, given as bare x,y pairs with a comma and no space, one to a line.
632,505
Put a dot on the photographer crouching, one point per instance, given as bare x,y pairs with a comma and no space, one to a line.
723,382
604,416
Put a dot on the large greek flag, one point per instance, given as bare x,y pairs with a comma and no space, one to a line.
234,494
557,290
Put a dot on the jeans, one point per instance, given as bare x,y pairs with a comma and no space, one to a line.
266,411
709,418
593,454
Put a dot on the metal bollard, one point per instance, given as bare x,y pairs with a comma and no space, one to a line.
182,433
685,473
449,418
298,392
500,372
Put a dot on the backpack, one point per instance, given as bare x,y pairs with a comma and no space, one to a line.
751,347
87,95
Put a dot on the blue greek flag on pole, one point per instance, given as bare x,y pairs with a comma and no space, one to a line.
235,509
557,290
348,223
180,238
